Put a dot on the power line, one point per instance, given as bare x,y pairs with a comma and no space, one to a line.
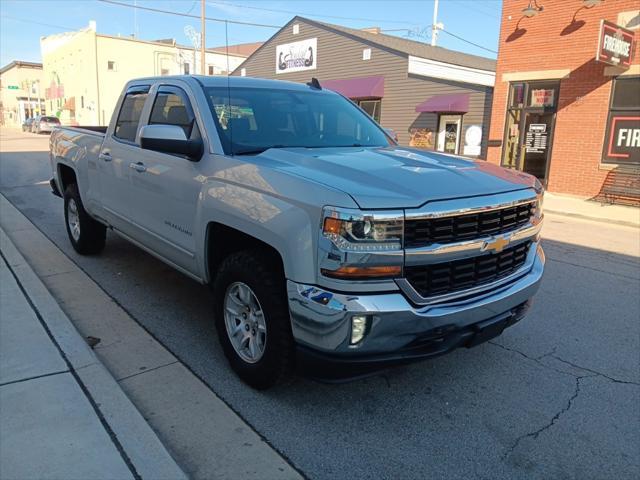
168,12
468,41
37,23
290,12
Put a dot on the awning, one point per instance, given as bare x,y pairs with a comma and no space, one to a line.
358,87
454,103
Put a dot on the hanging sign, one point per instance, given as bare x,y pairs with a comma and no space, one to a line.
615,45
297,56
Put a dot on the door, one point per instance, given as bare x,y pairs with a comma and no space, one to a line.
167,186
536,143
118,149
449,133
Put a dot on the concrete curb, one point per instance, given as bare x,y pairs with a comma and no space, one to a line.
592,219
206,437
146,453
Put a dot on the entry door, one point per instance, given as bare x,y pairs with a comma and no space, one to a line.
449,133
536,143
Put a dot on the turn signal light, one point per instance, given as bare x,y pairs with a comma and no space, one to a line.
355,273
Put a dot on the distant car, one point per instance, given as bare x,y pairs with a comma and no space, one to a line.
26,125
45,124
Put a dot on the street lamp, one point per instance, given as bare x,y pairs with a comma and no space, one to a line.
532,9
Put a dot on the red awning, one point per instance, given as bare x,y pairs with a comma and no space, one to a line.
454,103
359,87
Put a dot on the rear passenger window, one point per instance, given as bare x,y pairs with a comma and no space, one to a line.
129,116
172,108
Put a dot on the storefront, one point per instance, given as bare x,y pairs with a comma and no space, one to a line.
567,95
430,98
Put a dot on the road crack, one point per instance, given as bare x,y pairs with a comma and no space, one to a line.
535,434
595,372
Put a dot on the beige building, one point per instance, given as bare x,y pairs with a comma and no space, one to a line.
84,71
21,92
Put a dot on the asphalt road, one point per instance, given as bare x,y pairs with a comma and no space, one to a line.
556,396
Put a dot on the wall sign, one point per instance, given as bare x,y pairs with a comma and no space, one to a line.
421,138
297,56
622,140
472,140
615,45
536,138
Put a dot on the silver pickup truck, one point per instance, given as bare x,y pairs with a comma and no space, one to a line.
328,247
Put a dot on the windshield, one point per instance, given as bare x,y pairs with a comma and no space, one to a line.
255,119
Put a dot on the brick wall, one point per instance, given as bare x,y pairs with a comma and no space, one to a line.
551,41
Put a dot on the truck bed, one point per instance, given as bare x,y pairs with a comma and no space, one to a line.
89,128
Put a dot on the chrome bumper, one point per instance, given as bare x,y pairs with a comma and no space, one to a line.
321,319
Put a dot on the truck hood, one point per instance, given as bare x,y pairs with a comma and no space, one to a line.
396,177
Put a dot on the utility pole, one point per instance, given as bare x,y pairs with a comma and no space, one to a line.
202,39
434,26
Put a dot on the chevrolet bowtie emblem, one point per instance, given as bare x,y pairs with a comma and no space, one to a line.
496,244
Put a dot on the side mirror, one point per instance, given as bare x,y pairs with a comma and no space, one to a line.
170,139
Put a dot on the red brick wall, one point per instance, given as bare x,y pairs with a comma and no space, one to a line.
550,41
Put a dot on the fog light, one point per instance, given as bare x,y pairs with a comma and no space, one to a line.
359,324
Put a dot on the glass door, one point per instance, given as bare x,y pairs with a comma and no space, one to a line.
449,133
529,127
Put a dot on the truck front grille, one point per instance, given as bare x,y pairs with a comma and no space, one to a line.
448,277
424,232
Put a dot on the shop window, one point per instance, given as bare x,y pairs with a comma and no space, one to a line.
372,107
366,54
622,136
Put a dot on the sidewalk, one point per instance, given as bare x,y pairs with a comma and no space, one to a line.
62,415
571,206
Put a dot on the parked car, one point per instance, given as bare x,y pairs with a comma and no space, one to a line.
26,125
43,123
328,247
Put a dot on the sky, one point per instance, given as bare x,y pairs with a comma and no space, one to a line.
23,22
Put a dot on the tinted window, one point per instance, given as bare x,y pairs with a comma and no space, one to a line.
254,119
172,107
626,94
50,119
129,116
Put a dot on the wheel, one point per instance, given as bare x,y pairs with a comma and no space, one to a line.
87,235
252,318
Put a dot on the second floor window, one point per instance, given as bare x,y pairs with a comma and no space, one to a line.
186,68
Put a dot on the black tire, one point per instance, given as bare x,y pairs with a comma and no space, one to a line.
263,274
91,237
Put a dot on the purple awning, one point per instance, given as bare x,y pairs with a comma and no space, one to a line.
455,103
359,87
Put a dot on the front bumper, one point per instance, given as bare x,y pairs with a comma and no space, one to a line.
400,331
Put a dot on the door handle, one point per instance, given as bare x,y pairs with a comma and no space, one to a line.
138,167
106,156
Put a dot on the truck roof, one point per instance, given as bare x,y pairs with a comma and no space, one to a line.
231,81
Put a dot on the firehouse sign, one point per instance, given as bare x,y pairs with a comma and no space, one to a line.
615,46
622,139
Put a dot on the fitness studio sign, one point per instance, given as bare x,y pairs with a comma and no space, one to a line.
297,56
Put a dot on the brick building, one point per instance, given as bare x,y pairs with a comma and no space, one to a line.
561,110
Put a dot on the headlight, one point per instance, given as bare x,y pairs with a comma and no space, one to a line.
363,232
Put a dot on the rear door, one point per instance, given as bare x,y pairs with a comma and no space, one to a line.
118,152
167,186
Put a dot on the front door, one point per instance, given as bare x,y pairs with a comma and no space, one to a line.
449,133
536,143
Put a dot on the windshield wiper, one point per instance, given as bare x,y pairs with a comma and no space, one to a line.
256,151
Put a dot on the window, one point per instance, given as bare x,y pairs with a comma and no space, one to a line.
243,72
622,137
81,101
366,54
186,68
164,71
210,69
129,116
254,119
372,107
172,107
111,66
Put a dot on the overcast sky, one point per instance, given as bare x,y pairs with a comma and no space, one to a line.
23,22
